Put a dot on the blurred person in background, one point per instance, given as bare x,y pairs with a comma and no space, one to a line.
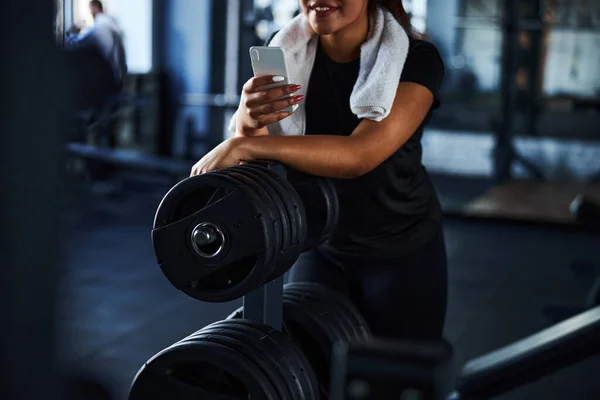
105,37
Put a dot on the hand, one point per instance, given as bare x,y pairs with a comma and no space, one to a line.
258,107
229,153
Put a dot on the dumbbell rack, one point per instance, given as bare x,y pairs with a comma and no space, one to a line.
265,304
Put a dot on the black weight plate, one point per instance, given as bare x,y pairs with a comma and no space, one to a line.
349,310
240,342
315,203
294,203
227,204
274,180
325,306
277,192
266,185
333,207
282,347
286,377
315,335
324,309
201,370
271,213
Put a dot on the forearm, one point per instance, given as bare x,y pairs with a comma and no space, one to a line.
322,155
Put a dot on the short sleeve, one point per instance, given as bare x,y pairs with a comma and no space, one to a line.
424,66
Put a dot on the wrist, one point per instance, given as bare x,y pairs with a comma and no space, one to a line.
243,147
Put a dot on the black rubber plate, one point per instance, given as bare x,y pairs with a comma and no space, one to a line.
290,228
270,212
346,308
201,369
214,279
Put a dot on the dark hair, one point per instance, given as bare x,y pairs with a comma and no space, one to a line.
98,4
397,9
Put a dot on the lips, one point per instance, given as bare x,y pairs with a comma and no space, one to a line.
323,10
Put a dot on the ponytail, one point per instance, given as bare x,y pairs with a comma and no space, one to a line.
397,9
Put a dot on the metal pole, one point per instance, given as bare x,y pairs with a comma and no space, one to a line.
232,48
504,151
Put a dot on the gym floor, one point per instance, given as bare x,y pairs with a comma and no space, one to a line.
117,310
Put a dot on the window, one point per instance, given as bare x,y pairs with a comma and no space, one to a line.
135,20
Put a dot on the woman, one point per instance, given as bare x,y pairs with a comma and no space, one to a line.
388,253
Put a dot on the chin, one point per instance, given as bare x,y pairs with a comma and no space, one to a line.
324,29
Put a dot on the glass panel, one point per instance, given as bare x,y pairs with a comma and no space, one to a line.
472,80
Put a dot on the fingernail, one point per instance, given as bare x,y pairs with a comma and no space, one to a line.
295,88
298,98
278,79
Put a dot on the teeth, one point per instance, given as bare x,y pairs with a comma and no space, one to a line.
322,8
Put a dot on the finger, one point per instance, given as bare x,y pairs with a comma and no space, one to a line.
266,96
275,106
254,84
272,118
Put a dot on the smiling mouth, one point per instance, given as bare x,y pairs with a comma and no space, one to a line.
323,8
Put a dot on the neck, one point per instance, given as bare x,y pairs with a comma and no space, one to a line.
344,45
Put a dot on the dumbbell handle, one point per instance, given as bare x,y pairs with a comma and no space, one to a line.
204,235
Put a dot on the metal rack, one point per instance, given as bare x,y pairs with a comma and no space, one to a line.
265,304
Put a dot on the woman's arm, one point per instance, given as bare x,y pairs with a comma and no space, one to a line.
368,146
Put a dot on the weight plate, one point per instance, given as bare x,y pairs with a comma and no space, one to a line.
201,370
269,207
325,306
333,207
315,203
314,334
349,310
239,342
326,310
236,267
282,371
295,204
266,185
291,251
282,348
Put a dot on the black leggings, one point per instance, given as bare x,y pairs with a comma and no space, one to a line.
403,298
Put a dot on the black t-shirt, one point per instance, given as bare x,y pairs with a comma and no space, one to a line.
393,208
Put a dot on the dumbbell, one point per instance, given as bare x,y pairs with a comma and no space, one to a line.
220,235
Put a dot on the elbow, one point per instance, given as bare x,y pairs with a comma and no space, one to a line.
357,162
357,168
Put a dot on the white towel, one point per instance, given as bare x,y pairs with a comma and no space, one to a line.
382,58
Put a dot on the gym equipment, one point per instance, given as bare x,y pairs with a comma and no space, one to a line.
220,235
315,318
383,369
228,360
522,362
321,202
361,370
232,233
587,212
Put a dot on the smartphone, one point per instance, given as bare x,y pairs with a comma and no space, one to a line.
271,61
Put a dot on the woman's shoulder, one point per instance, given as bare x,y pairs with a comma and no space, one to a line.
420,47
